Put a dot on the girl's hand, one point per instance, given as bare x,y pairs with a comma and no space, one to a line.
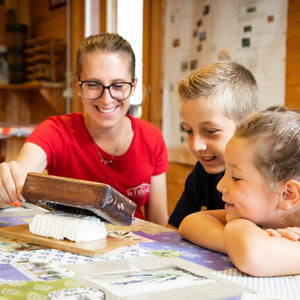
291,233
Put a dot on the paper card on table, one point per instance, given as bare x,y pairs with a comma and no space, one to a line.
12,245
9,273
32,271
171,243
55,289
154,277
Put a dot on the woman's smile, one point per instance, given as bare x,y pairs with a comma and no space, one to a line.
108,110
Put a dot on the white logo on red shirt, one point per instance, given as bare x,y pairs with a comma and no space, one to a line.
139,191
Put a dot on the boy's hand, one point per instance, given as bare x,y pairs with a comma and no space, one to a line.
291,233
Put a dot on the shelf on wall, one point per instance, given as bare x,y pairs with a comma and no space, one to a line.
51,92
31,86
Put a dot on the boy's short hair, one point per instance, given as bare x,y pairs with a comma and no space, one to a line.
227,84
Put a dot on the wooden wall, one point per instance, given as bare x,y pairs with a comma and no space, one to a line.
21,8
42,20
293,56
177,173
53,22
153,42
47,22
28,104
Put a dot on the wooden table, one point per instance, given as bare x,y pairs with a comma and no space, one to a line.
162,242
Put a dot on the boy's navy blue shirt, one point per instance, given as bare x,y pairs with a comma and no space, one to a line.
200,193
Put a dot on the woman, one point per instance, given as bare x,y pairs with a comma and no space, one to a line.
102,143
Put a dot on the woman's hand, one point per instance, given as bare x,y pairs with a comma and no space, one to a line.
291,233
12,178
31,158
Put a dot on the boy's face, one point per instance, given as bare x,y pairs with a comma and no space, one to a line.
244,188
208,132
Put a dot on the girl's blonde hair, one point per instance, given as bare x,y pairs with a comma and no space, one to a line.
227,84
275,136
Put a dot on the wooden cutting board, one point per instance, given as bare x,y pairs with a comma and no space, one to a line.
94,248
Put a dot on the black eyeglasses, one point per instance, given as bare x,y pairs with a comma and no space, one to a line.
93,90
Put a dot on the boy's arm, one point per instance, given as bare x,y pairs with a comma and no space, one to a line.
253,251
205,229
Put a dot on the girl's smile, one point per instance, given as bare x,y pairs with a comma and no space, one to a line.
245,190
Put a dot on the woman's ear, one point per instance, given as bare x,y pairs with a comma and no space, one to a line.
134,86
290,194
77,86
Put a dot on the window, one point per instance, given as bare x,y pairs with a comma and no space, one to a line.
130,26
127,22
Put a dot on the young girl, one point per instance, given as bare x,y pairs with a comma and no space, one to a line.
261,189
102,143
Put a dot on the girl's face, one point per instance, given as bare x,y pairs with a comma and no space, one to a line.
105,68
208,132
245,190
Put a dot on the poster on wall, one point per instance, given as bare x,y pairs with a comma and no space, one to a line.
198,32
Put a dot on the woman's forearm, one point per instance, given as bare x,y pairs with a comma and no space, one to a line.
156,209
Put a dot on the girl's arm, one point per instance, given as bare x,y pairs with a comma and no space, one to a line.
156,209
205,229
255,252
292,233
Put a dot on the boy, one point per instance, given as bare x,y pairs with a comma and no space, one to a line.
214,99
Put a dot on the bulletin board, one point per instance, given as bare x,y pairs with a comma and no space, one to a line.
198,32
